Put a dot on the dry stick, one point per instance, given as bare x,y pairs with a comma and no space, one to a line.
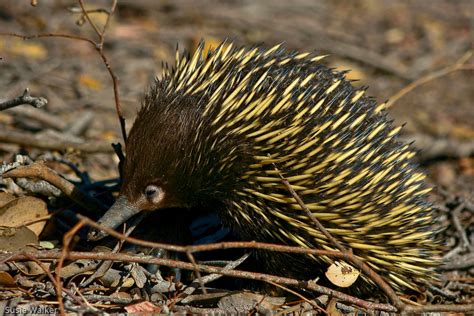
40,171
190,249
457,223
459,65
99,33
102,56
57,286
215,246
312,303
310,285
25,98
67,238
196,270
100,49
359,263
183,296
105,265
45,118
32,140
86,14
34,221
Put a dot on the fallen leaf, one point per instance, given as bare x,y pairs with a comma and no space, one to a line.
342,274
17,211
20,47
17,239
90,82
243,302
355,73
143,307
332,310
32,268
46,245
210,43
6,280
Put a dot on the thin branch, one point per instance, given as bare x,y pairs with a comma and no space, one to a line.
384,286
57,285
312,303
86,14
310,285
105,265
196,270
67,238
183,297
25,98
215,246
46,35
99,48
459,65
39,170
107,21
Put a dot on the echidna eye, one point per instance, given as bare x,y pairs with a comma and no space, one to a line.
153,193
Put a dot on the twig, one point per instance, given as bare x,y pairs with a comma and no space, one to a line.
46,35
25,98
57,285
359,263
105,265
40,171
45,118
215,246
86,14
98,46
459,65
196,270
110,13
312,303
460,262
310,285
67,238
457,223
183,297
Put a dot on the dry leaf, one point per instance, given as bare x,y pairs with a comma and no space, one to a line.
332,310
121,295
16,239
46,244
342,274
6,280
209,44
243,302
90,82
355,73
32,268
17,211
142,307
24,48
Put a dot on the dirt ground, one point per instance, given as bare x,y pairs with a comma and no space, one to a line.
387,45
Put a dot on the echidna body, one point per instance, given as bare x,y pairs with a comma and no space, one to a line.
215,132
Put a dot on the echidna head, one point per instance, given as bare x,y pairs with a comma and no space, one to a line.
168,163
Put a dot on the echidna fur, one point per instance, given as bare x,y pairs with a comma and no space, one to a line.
213,130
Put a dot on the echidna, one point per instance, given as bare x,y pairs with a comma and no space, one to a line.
214,128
